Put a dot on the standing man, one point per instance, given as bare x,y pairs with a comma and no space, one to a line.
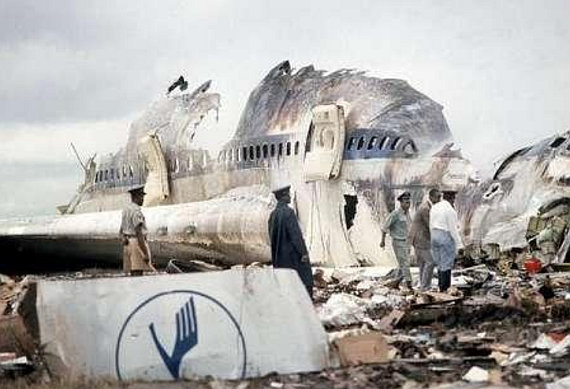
420,238
288,249
136,253
398,223
445,238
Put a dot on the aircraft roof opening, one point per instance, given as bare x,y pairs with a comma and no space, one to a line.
508,160
557,142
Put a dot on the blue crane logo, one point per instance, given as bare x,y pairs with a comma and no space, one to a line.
148,326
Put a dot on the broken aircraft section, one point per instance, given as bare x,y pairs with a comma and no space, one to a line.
346,142
526,204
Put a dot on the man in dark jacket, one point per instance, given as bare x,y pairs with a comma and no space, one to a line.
288,249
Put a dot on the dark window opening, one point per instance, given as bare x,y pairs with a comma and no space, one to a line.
360,143
383,142
244,153
280,151
251,153
297,148
557,142
106,175
272,150
265,151
112,174
351,143
131,172
257,152
288,148
372,142
395,143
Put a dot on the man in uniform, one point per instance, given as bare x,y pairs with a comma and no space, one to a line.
420,239
397,224
288,249
136,252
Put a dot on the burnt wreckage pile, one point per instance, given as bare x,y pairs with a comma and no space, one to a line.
496,325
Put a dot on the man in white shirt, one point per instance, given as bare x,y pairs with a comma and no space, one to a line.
445,238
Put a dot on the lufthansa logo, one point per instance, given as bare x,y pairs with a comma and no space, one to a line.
180,333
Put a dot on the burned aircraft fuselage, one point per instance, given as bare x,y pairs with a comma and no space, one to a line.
527,183
332,136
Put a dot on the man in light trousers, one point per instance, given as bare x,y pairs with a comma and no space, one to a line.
445,238
397,224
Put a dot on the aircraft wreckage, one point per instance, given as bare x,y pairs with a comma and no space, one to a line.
348,144
526,204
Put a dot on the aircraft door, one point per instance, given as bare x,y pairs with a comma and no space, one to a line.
156,187
325,143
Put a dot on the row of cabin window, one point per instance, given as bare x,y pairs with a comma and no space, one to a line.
386,143
257,152
111,174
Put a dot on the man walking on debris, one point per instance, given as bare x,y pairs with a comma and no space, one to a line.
420,239
445,238
397,224
288,249
136,252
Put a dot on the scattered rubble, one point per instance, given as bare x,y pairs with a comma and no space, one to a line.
498,327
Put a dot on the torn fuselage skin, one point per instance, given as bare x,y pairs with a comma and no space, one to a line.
329,135
501,210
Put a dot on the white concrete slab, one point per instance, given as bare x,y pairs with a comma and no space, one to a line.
231,324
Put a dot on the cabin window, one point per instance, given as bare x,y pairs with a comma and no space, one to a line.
237,155
372,142
244,153
106,175
557,142
360,143
280,151
272,150
131,172
395,143
251,153
257,152
297,148
124,169
288,148
265,151
112,174
383,142
351,143
96,177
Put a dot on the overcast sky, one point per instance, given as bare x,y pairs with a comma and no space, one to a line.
79,71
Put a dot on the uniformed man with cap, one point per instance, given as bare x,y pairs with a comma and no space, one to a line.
136,252
398,224
288,249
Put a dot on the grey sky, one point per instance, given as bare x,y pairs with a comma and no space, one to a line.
81,70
